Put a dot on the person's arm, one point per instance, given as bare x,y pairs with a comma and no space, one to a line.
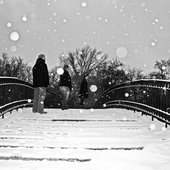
46,75
70,83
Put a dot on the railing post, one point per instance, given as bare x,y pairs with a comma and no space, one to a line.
166,125
152,118
134,94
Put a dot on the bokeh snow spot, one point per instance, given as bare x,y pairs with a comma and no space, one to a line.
84,4
93,88
24,18
92,110
14,36
152,126
121,52
60,71
9,24
29,100
126,94
13,48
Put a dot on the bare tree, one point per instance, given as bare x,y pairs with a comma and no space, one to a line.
15,67
162,68
54,77
4,64
85,60
134,73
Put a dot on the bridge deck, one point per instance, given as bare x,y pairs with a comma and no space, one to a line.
83,139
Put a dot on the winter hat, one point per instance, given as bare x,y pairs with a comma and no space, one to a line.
42,56
66,66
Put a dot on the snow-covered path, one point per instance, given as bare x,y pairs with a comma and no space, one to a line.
83,140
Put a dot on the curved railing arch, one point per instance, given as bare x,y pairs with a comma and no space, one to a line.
14,93
150,96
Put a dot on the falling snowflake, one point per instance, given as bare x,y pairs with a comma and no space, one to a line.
164,88
92,110
152,127
93,88
24,18
29,100
126,94
9,24
163,67
144,92
14,36
156,20
121,52
126,72
153,44
85,43
60,71
84,4
65,20
13,48
81,111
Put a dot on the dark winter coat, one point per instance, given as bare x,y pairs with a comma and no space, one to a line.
65,80
40,74
83,88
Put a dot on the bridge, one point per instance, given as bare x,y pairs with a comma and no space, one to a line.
128,128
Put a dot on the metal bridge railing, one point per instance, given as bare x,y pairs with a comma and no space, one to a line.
148,95
14,93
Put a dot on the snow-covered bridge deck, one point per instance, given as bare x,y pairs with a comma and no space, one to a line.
83,140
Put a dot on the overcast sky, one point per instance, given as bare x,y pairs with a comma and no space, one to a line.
136,31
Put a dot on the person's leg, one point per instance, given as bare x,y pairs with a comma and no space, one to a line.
35,101
67,96
81,100
63,93
42,94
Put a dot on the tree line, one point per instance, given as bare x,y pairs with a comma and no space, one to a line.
102,72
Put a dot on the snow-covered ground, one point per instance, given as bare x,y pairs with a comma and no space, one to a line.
83,140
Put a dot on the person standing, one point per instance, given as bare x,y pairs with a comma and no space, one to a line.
40,83
83,93
65,87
